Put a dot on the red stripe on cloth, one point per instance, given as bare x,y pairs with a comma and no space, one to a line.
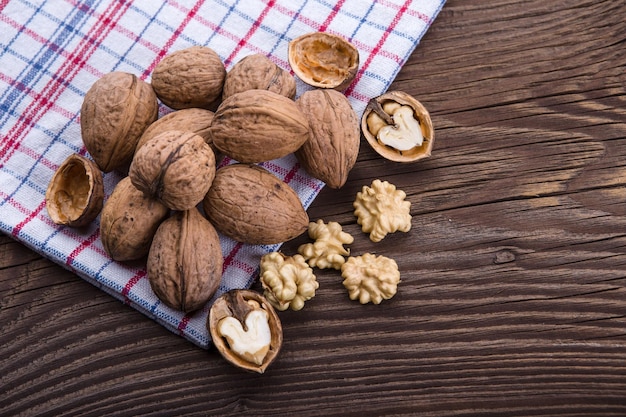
228,260
172,39
3,4
40,39
83,244
131,282
21,87
292,172
410,12
246,38
18,227
183,324
331,16
292,13
377,48
70,67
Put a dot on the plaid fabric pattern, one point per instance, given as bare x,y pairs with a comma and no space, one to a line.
52,51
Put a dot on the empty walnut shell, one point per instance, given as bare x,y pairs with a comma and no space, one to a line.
324,60
75,193
229,305
419,113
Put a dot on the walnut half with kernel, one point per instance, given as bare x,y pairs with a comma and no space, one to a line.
245,329
398,127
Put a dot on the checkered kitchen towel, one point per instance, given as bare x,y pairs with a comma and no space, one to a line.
52,51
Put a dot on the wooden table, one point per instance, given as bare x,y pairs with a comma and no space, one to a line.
513,292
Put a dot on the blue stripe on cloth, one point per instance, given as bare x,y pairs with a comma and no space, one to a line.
231,8
281,37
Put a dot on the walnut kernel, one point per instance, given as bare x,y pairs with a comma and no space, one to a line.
288,281
370,278
382,209
327,251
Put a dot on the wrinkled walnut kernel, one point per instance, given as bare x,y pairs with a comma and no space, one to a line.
327,251
381,209
370,278
288,281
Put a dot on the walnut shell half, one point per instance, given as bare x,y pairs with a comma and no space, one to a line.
324,60
75,193
375,117
238,304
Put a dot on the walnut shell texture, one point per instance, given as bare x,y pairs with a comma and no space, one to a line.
129,221
175,167
75,193
190,77
257,126
185,262
115,112
188,120
258,72
333,145
324,60
249,204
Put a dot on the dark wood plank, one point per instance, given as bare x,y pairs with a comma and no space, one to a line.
513,292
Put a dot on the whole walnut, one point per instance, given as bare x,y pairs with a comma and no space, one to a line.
115,112
189,120
333,145
258,72
257,126
129,221
185,261
190,77
249,204
175,167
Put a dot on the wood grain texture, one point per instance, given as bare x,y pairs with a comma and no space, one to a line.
513,292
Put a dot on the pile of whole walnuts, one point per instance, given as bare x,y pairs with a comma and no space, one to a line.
176,196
